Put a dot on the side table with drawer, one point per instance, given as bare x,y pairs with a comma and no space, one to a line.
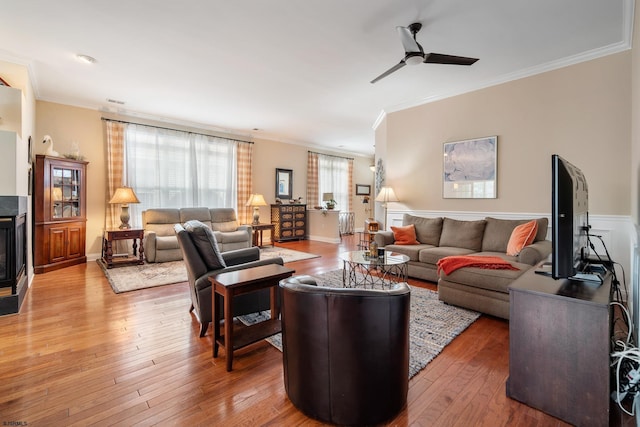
109,236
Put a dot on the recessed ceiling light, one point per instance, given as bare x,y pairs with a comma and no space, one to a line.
86,59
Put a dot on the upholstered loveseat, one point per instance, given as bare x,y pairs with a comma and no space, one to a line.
161,243
481,289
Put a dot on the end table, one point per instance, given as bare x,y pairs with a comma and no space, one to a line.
109,236
257,233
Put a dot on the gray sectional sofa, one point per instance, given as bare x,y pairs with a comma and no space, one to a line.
484,290
161,243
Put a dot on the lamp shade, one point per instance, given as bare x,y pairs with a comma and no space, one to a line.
256,200
327,197
386,194
123,196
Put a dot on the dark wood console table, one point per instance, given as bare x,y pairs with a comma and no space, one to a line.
559,345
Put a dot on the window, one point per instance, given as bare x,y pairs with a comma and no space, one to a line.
334,177
175,169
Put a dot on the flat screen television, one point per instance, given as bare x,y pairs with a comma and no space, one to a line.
569,221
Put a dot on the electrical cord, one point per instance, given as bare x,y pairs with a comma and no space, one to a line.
627,363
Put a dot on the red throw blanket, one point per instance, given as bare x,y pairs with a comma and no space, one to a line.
452,263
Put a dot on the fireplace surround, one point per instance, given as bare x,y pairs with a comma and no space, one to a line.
13,253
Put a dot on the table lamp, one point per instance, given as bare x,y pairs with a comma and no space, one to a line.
328,197
385,196
256,200
124,196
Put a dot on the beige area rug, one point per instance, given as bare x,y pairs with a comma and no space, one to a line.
134,277
432,323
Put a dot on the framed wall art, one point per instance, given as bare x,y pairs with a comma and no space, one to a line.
363,190
284,183
470,169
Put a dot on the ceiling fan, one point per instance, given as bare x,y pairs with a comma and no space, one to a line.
414,54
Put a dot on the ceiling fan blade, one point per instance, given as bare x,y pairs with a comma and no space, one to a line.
439,58
408,42
389,71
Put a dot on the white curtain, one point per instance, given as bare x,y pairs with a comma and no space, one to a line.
175,169
334,177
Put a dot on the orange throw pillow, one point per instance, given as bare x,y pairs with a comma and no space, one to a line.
522,236
405,235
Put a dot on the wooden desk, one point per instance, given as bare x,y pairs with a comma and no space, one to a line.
257,233
109,236
233,283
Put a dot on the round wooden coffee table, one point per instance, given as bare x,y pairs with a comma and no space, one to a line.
362,271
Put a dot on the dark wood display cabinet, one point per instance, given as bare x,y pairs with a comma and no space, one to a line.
60,213
289,221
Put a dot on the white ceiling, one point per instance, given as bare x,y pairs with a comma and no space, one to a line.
298,71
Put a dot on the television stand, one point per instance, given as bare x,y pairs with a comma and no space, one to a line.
559,345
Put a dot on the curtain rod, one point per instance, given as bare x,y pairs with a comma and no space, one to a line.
330,155
177,130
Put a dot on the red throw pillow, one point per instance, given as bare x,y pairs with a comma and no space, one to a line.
405,235
522,236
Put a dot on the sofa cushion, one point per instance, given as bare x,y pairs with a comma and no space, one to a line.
162,216
405,235
434,254
199,214
206,244
543,225
498,232
522,236
412,251
226,226
223,215
161,229
462,234
489,279
231,237
428,230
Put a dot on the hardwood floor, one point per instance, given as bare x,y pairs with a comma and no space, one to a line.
78,354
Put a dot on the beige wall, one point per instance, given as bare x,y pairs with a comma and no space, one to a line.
581,112
67,125
269,155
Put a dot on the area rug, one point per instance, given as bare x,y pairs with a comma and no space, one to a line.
149,275
432,323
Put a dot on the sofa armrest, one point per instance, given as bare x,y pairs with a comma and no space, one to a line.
241,256
384,238
249,231
150,246
535,252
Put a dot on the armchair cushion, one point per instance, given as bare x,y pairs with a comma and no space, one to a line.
206,244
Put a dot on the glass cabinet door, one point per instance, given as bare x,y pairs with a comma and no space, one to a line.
65,192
